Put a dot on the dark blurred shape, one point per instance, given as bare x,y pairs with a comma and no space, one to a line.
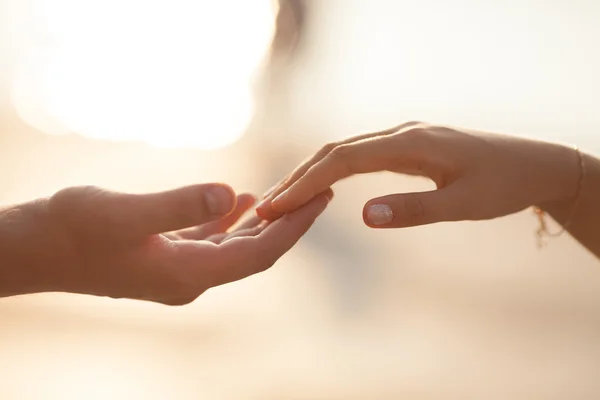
269,135
290,27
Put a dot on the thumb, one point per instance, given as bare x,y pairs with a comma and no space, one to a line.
413,209
135,216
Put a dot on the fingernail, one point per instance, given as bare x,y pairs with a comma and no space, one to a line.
379,214
219,200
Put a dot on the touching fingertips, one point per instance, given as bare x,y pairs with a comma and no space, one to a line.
265,212
379,214
263,209
261,213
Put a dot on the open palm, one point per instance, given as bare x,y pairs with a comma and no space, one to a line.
166,247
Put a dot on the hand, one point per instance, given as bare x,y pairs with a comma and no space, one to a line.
114,244
478,175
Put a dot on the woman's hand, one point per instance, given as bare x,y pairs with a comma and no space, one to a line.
166,247
478,175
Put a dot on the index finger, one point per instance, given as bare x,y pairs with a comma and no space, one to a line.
370,155
263,208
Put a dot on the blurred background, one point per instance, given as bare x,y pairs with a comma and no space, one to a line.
148,95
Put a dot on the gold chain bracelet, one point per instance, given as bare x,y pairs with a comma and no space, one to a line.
543,230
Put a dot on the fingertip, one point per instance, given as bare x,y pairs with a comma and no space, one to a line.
266,212
260,213
220,199
222,186
263,205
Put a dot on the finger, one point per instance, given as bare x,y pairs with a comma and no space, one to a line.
369,155
247,232
244,256
273,188
414,209
120,216
223,237
244,203
250,222
309,162
301,170
264,209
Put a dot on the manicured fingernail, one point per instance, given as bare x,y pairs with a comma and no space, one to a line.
219,200
379,214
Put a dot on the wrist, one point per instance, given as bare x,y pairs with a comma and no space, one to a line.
29,251
559,173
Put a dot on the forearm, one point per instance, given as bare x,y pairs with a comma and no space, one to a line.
584,225
26,253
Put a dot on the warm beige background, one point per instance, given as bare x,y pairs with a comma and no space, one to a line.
471,310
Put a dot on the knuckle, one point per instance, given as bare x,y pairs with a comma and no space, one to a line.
413,212
341,151
328,148
418,137
411,123
405,126
71,198
415,133
341,156
74,208
346,159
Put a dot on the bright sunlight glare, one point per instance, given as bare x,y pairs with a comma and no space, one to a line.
166,73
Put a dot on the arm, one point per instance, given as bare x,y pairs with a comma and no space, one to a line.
479,176
166,247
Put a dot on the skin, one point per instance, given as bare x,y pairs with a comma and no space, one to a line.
166,247
479,176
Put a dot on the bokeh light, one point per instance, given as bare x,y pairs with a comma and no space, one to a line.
170,74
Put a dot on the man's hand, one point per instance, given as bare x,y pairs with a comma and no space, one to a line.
166,247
